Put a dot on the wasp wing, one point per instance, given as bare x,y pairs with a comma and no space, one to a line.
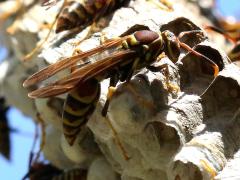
83,74
69,62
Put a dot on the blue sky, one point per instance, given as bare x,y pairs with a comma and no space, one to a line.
22,141
229,7
21,144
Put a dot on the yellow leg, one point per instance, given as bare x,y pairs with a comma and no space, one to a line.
88,35
170,87
118,141
209,169
162,4
162,55
40,45
168,4
45,26
110,93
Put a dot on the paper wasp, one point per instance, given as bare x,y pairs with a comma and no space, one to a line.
40,170
72,174
135,49
78,14
83,13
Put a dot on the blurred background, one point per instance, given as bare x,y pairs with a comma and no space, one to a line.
24,128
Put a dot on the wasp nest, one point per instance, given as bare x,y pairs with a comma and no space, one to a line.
151,131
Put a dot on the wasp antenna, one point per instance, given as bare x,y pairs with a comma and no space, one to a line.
222,32
214,65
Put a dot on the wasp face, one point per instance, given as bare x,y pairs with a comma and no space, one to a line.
172,47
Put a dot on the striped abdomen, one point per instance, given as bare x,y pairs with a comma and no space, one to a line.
79,106
73,174
77,13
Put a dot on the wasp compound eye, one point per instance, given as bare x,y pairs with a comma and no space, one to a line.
172,47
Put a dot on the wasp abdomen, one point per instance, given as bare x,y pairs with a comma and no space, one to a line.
74,15
72,174
79,106
77,14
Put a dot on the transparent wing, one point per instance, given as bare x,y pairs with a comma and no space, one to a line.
83,74
81,58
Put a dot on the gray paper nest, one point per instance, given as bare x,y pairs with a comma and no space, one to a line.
192,134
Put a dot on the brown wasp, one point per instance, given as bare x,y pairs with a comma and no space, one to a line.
83,13
78,14
137,48
41,171
72,174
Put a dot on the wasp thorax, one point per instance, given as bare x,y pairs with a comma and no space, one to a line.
146,36
172,47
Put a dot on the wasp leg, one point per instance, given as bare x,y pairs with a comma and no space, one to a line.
170,87
209,169
40,45
111,89
40,121
94,24
168,4
103,39
132,69
222,32
163,4
113,81
43,136
118,141
45,26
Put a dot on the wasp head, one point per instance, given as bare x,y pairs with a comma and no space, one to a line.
172,47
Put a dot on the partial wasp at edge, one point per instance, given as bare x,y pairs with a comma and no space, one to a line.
83,13
78,14
5,129
137,48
